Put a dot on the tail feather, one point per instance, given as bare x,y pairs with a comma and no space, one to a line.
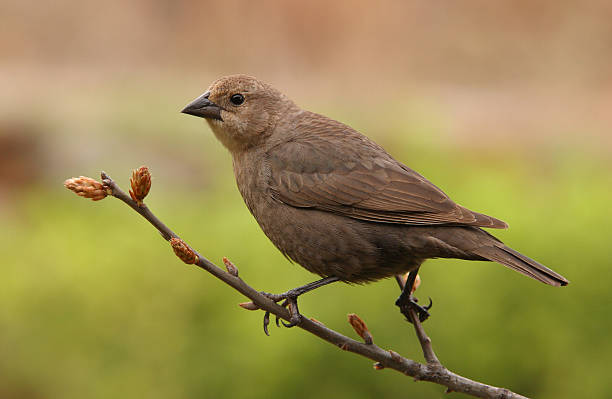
508,257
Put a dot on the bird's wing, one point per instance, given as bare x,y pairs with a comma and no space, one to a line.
331,167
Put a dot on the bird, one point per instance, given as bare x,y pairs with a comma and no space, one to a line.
335,202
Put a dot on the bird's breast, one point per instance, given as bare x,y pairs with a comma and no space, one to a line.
251,174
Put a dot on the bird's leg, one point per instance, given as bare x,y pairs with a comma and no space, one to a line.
406,301
289,299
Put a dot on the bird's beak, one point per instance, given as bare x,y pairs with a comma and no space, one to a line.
204,108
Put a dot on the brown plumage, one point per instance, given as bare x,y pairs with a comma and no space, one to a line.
336,202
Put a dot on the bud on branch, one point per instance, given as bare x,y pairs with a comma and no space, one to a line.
182,250
360,328
141,184
87,187
248,306
378,366
231,268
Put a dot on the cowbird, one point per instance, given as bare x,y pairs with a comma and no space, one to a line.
337,203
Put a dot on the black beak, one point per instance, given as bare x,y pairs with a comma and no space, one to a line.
204,108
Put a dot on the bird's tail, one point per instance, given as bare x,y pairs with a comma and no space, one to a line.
500,253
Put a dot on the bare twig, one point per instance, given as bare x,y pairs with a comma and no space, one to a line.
425,341
433,371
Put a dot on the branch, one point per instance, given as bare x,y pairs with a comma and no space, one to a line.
433,371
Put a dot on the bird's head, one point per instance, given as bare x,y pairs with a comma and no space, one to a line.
241,110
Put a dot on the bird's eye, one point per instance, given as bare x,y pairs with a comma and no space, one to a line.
237,99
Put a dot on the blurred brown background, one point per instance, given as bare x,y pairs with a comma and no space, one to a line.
487,64
505,105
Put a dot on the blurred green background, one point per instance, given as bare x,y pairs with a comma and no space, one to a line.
505,106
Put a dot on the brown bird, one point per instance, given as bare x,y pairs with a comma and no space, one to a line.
337,203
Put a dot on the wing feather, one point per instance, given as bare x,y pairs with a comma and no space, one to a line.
329,166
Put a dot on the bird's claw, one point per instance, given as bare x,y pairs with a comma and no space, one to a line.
405,306
266,322
290,302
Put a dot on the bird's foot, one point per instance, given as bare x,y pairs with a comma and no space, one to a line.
289,299
406,303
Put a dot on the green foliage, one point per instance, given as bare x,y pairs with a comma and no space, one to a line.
95,304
